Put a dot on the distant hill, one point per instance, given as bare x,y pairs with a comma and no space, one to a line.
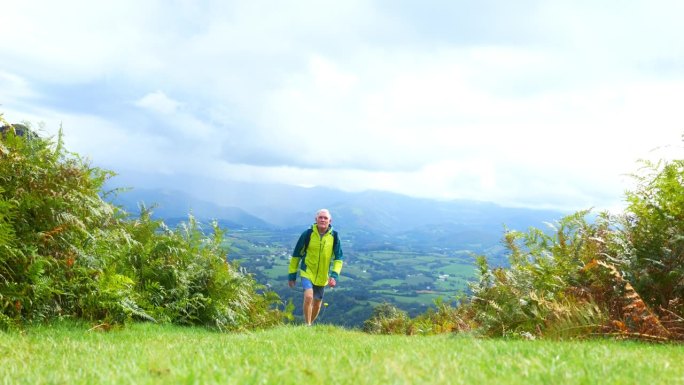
424,224
370,218
174,206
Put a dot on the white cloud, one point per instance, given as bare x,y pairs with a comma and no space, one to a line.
158,102
13,86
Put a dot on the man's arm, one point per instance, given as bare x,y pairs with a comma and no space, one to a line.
297,255
292,269
338,258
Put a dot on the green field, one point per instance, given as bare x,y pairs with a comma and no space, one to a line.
152,354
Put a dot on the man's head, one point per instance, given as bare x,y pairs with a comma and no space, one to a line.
323,219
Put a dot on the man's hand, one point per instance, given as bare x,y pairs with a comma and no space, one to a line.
291,284
332,282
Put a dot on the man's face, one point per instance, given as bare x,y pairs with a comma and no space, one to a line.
323,220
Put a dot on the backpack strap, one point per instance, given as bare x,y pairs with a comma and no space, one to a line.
309,232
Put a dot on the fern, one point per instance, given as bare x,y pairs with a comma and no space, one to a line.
64,251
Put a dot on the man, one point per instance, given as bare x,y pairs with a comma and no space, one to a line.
316,249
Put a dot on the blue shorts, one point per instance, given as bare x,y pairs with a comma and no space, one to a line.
317,290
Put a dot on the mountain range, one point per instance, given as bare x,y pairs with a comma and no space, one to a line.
370,217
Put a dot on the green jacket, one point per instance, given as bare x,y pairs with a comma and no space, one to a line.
314,254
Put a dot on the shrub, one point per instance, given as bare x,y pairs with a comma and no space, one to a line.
546,281
621,275
66,252
653,231
387,319
445,317
53,206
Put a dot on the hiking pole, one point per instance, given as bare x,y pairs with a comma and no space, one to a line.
325,304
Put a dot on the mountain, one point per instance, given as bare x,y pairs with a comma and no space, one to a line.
422,224
369,218
174,206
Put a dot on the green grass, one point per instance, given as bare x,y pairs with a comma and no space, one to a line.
151,354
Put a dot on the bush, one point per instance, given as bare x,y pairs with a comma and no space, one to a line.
546,282
621,275
387,319
653,233
66,252
445,317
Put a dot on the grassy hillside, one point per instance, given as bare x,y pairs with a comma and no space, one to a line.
152,354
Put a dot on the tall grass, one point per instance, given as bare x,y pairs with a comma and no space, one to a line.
167,354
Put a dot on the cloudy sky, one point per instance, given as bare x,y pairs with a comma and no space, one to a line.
524,103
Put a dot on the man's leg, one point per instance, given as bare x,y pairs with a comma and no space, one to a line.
308,306
315,309
317,301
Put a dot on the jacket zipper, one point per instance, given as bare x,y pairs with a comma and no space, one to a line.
321,245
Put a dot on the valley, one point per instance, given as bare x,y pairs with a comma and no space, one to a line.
398,249
410,280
